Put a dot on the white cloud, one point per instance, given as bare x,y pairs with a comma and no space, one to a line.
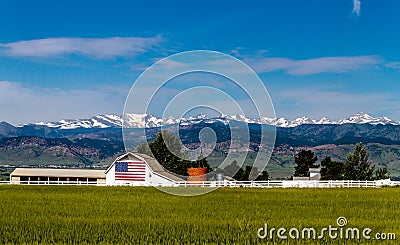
356,7
340,64
20,104
101,48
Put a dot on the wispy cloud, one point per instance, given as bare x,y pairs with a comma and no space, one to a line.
340,64
393,65
22,104
356,7
99,48
317,103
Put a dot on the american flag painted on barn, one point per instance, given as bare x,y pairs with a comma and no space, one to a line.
130,171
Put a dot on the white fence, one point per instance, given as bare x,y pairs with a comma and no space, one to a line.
42,182
237,184
295,184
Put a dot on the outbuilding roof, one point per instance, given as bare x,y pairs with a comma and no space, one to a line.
158,168
59,172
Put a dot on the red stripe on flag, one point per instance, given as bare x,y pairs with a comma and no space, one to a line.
131,180
133,175
129,177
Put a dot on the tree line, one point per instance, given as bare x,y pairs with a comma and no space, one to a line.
356,166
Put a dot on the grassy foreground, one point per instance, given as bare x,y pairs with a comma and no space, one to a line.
128,215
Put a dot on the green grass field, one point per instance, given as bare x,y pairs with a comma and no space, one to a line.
128,215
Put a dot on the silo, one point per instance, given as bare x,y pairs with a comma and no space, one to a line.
220,176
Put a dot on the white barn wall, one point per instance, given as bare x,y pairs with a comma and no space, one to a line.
154,179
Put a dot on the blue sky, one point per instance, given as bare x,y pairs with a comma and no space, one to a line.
75,59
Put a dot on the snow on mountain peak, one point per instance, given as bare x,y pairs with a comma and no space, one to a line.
324,120
148,121
363,118
102,121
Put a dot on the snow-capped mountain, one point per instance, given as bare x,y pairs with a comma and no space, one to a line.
361,118
148,121
145,121
102,121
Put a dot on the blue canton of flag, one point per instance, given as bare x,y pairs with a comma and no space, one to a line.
121,167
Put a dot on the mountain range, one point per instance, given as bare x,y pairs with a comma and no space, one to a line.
98,140
150,121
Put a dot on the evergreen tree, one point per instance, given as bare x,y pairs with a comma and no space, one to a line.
243,174
232,169
240,175
263,176
382,173
144,148
305,159
357,165
171,157
331,170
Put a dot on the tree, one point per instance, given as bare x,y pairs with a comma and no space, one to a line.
172,161
305,159
263,176
171,157
240,175
144,148
243,174
331,170
235,171
232,169
357,165
382,173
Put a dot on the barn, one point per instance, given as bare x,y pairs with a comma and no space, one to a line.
135,169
